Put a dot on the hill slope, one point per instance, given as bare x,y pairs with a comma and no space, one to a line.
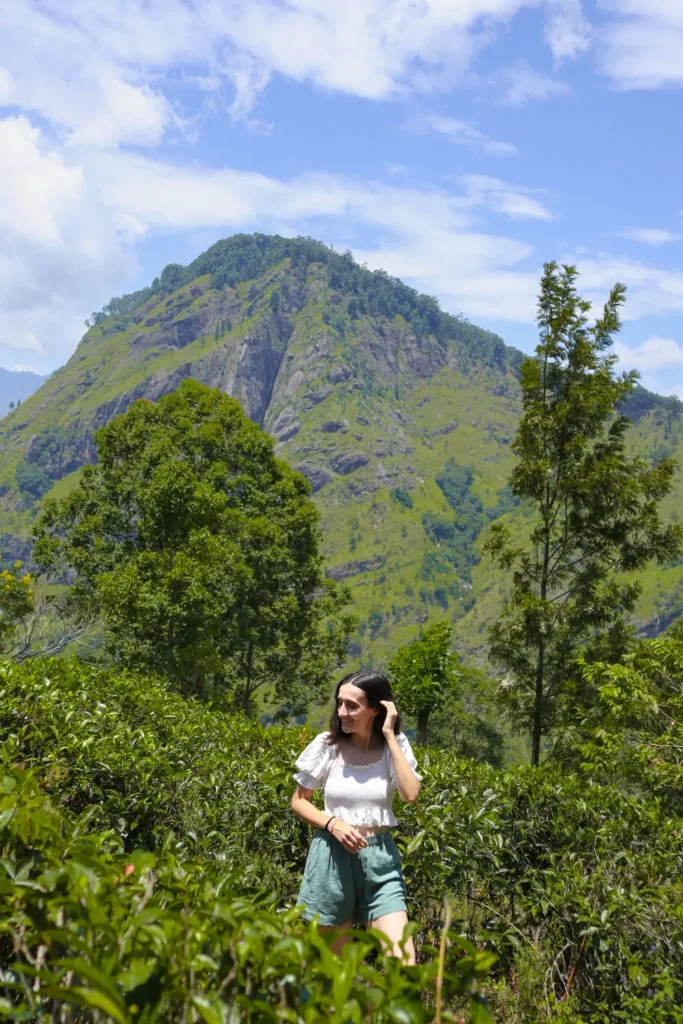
400,415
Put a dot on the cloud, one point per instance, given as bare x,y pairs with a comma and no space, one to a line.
641,45
567,33
462,133
651,290
649,236
70,224
99,68
515,201
24,368
520,84
103,70
57,245
395,170
651,356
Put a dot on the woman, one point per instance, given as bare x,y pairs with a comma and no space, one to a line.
353,869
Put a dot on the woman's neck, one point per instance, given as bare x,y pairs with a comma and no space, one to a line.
364,742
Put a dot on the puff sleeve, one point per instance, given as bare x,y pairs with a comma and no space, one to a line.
407,750
313,763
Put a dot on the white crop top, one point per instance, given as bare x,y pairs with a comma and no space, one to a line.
357,794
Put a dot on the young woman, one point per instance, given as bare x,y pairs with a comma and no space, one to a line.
353,869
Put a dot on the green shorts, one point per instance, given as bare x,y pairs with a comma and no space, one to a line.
339,886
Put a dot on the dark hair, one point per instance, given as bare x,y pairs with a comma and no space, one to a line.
376,688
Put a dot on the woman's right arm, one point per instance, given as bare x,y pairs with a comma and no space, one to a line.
304,809
349,837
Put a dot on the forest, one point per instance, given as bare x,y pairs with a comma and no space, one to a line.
174,647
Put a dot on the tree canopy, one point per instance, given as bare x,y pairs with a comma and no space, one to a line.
424,674
595,507
200,550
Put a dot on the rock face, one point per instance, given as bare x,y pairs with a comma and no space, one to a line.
341,367
335,427
347,462
350,569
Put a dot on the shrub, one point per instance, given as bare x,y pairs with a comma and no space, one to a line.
562,877
88,934
402,496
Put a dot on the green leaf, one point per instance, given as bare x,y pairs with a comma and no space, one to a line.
93,997
479,1011
415,843
211,1011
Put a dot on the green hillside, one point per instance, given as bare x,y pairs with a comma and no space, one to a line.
399,414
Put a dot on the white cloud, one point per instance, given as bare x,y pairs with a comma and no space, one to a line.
100,69
68,229
92,61
24,368
651,290
513,200
57,245
568,33
642,45
649,236
650,356
520,84
462,133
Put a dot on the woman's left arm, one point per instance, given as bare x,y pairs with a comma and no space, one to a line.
407,783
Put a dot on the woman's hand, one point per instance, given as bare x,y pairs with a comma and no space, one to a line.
349,837
391,716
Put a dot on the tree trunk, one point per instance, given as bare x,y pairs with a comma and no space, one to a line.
538,709
422,722
540,665
247,684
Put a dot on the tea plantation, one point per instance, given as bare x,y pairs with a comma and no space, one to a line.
150,863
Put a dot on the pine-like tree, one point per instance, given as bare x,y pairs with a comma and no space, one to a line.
594,507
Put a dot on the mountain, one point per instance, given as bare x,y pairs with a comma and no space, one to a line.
15,386
400,415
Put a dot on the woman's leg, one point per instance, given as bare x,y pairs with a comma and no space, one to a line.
341,940
392,926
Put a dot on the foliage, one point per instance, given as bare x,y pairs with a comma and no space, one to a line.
455,537
424,674
246,257
640,401
573,884
16,602
90,934
200,548
507,501
32,480
50,626
468,721
624,720
122,306
45,446
137,352
402,496
595,507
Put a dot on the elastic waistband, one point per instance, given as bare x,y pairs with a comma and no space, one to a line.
374,839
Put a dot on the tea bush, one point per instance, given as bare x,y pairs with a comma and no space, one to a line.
574,885
88,933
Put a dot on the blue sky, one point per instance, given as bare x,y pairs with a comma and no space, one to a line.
456,143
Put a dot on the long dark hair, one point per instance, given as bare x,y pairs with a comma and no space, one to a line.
376,687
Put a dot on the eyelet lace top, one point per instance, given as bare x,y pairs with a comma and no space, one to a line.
356,794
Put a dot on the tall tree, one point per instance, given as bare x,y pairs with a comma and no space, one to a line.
594,508
424,675
200,550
